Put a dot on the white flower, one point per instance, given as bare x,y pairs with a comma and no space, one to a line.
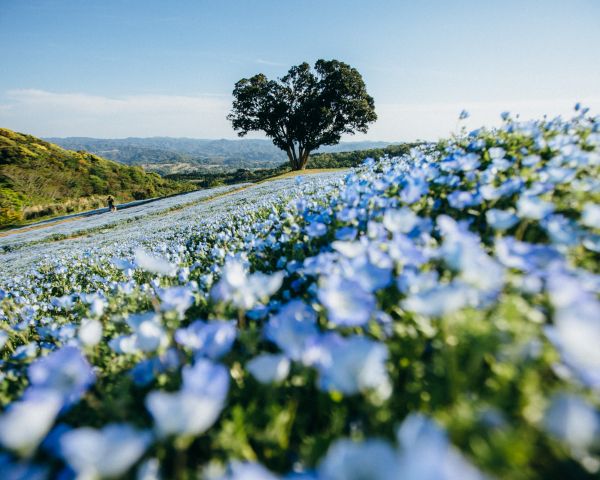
90,332
154,264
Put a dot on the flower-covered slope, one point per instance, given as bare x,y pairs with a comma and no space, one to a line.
426,317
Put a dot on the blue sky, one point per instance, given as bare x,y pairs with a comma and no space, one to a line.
147,67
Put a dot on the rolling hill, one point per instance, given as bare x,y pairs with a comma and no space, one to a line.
39,179
176,155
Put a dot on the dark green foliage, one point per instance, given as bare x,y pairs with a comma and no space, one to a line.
207,179
39,179
304,109
355,158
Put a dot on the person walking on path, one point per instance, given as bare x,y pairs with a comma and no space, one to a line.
111,204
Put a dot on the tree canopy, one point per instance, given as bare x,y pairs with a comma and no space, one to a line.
305,108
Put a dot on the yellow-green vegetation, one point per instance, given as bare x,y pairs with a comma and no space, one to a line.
299,173
39,179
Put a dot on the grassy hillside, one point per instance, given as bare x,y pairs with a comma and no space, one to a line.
39,179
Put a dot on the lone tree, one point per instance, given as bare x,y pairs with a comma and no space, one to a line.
304,109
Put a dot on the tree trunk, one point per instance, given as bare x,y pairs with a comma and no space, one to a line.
304,159
291,153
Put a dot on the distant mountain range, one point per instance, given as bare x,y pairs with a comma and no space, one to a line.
166,154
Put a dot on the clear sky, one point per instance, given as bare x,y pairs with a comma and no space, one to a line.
117,68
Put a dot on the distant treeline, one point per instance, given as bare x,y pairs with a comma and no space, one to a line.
206,179
355,158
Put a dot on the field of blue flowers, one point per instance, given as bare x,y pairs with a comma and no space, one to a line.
434,316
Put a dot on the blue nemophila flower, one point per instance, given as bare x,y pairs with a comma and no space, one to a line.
90,332
561,230
347,303
182,413
591,215
427,454
534,208
108,452
440,299
576,329
401,220
209,339
525,256
350,365
269,367
501,219
3,338
462,251
292,328
414,188
178,299
65,371
148,335
26,422
154,264
206,379
316,229
573,421
244,471
349,460
22,470
463,115
463,199
242,289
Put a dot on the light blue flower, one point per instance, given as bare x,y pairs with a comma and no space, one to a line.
246,471
292,328
352,365
90,332
439,300
108,452
463,199
401,220
65,371
148,335
534,208
206,379
182,413
210,339
268,368
26,422
3,338
370,459
244,290
426,453
574,421
178,299
316,229
591,215
347,303
501,219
